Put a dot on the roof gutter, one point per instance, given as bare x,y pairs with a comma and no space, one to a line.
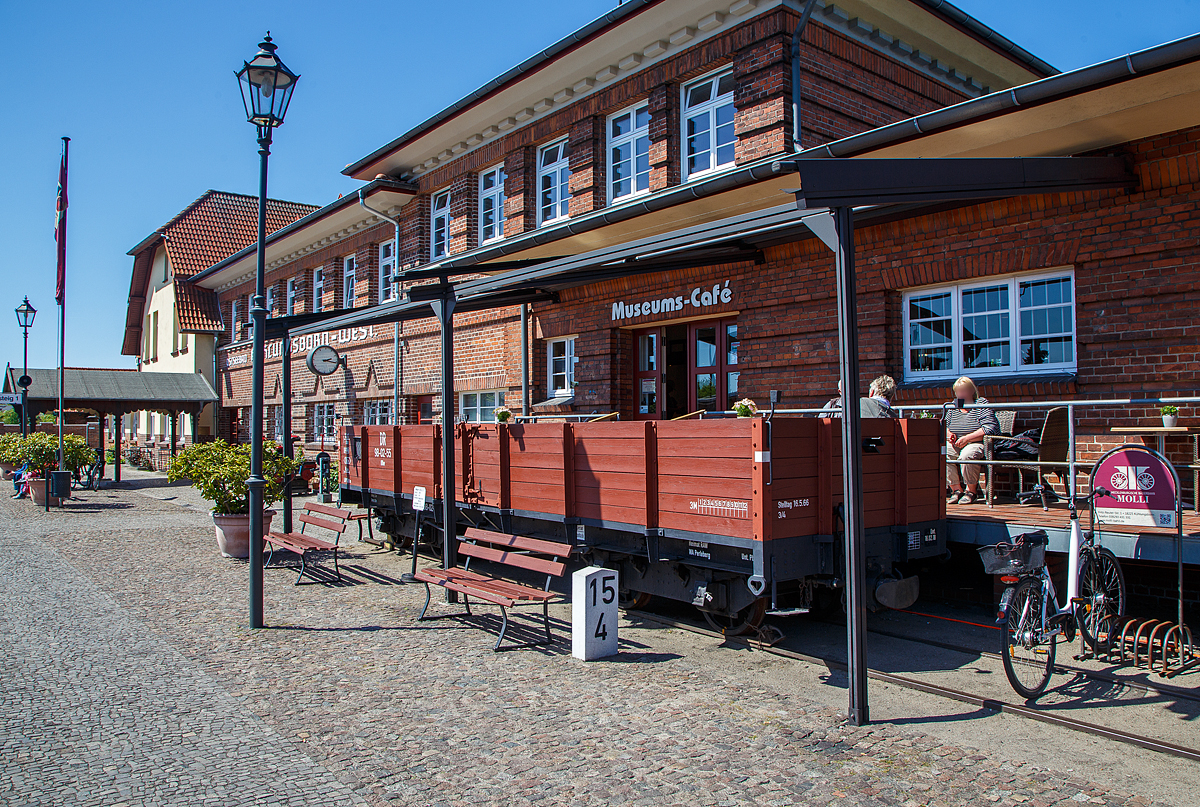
316,215
534,62
1113,71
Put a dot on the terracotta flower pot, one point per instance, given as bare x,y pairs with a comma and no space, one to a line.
6,470
233,533
37,489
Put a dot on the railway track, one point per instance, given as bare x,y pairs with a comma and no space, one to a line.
992,704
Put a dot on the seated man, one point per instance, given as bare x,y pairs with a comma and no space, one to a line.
965,429
879,405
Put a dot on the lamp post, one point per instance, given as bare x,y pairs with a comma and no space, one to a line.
25,315
266,86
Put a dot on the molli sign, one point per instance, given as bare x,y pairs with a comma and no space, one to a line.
1141,489
699,298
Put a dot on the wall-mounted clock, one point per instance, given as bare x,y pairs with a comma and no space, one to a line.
323,360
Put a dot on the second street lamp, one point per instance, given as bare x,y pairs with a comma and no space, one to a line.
267,87
25,315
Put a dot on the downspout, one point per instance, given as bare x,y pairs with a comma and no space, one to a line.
397,328
525,359
808,10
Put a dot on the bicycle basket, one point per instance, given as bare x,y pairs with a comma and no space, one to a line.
1025,553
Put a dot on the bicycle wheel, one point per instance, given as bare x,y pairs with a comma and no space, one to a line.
1028,655
1102,591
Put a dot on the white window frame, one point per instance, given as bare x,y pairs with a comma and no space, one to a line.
234,323
270,300
324,421
710,107
630,138
569,361
472,409
318,287
439,226
377,412
389,289
349,278
560,185
291,296
278,424
496,196
1017,367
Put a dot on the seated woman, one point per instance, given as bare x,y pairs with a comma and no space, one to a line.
965,429
879,405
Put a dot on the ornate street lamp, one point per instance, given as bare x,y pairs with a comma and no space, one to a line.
267,87
25,315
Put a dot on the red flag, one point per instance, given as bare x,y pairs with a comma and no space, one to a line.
60,226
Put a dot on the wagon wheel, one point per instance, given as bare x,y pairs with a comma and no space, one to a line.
631,600
746,620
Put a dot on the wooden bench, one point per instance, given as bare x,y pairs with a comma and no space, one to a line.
335,521
533,554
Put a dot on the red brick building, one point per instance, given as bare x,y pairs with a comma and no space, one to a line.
649,119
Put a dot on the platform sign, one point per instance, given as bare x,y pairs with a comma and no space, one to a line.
10,397
1142,489
593,613
418,499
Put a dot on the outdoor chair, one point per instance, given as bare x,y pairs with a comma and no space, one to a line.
1052,446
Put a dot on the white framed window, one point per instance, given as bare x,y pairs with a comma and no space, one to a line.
439,226
279,425
560,358
629,153
480,407
998,326
378,412
318,287
249,311
291,296
324,421
554,176
349,270
235,325
270,300
388,290
708,136
491,204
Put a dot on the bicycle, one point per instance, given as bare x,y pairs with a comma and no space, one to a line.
88,478
1029,616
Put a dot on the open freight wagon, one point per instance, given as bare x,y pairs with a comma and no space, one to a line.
733,515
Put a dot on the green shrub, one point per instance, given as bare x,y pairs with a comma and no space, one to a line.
219,471
40,450
10,449
47,417
9,415
1170,410
77,453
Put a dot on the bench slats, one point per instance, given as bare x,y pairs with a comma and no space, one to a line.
469,586
304,518
552,548
297,542
530,562
336,512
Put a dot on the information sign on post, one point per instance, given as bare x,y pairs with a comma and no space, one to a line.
593,613
10,397
1141,487
418,499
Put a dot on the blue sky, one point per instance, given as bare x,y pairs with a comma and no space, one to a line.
146,92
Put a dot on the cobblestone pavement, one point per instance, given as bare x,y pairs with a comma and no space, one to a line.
130,677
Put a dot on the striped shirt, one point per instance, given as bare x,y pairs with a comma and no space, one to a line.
965,421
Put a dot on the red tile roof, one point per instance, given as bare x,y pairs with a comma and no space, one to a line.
207,231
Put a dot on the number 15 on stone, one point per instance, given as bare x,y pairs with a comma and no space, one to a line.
593,613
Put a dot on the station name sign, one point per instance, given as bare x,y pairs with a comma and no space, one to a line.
700,298
303,344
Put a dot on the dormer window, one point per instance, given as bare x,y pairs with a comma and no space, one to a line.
554,176
708,136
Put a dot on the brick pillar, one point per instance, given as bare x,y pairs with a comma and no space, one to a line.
464,214
520,191
665,169
763,122
587,165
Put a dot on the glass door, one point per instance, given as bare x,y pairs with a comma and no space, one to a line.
713,348
647,377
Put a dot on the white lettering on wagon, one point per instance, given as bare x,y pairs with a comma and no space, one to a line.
784,505
699,297
725,508
699,549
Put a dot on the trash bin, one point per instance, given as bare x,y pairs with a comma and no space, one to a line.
60,484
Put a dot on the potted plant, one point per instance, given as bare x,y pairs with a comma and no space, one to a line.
503,413
1170,415
745,408
10,454
219,471
40,451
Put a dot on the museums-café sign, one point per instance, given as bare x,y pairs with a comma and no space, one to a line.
697,299
303,344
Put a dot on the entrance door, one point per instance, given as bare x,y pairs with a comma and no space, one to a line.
685,368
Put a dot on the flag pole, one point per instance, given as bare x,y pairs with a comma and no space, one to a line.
60,234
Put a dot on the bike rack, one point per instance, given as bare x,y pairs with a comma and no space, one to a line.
1142,642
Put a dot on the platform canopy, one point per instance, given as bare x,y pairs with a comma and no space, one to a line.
114,392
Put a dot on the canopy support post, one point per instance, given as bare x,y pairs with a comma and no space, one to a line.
443,308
